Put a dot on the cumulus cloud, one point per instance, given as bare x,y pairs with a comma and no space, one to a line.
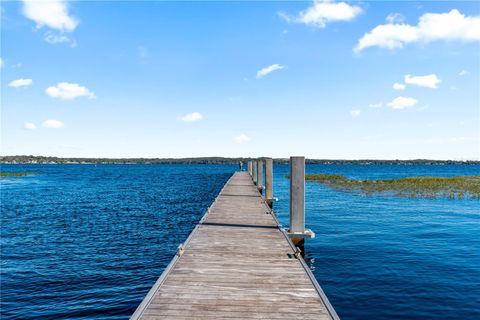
29,126
322,12
20,83
69,91
376,105
402,102
52,123
399,86
192,117
53,14
428,81
463,73
263,72
242,138
355,113
450,26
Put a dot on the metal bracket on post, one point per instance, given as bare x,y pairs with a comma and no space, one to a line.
307,233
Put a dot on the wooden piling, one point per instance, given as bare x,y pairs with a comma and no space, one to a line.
260,176
269,182
297,198
254,163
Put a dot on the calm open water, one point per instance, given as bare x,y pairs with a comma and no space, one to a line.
85,241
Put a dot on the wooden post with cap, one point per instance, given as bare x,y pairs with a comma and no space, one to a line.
269,182
297,231
260,176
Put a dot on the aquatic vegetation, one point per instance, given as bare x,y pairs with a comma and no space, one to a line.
15,174
427,187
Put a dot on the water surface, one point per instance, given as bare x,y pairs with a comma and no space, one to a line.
87,242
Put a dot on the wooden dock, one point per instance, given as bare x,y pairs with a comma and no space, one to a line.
237,263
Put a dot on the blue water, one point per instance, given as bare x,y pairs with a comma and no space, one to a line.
85,241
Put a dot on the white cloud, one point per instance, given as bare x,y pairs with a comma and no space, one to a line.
463,73
323,12
450,26
53,14
429,81
376,105
263,72
395,18
29,126
1,63
402,102
242,138
20,83
69,91
399,86
54,124
192,117
355,113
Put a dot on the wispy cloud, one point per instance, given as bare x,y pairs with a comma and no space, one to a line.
52,123
399,86
463,73
355,113
322,12
242,138
29,126
402,102
1,63
463,139
428,81
192,117
18,83
395,18
264,71
143,54
58,38
450,26
375,105
69,91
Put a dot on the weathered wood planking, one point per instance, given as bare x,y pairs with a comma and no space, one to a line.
237,263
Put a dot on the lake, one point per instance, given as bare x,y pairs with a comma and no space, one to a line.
86,241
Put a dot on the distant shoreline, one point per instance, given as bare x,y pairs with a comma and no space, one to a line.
215,160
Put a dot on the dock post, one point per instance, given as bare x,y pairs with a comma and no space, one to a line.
269,182
297,231
254,164
250,168
260,176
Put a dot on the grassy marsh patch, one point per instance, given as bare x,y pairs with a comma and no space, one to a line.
426,187
16,174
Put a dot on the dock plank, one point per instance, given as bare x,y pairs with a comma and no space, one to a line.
236,264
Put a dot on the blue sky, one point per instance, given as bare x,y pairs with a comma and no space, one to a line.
182,79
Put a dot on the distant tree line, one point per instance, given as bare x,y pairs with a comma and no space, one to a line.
210,160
